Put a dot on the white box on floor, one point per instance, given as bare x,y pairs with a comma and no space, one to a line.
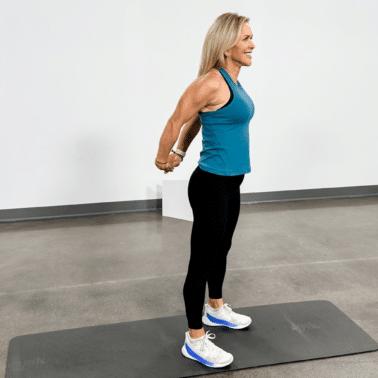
175,200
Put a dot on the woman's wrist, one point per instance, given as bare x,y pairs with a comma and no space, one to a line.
180,153
177,152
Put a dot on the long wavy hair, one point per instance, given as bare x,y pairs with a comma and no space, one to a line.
221,36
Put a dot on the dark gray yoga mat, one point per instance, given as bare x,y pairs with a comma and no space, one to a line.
279,333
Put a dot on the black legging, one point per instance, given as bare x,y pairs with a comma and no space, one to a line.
215,201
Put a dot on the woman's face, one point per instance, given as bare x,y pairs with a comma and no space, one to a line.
243,45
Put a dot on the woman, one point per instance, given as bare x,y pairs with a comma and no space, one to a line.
217,101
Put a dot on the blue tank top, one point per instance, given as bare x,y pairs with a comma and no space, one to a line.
225,133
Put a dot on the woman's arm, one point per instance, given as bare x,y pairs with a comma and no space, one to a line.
199,94
188,133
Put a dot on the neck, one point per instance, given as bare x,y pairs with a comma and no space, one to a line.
233,71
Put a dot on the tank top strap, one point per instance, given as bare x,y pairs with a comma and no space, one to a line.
227,77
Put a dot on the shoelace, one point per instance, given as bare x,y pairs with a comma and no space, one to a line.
208,336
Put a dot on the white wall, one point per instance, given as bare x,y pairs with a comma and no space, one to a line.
87,87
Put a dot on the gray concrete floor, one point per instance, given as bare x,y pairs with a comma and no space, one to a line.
70,273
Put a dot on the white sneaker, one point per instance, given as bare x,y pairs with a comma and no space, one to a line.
205,351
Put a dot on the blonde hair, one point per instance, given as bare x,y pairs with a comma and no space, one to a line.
221,36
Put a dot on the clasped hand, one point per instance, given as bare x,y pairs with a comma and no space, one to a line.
173,161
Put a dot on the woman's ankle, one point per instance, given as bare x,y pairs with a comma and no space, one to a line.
196,333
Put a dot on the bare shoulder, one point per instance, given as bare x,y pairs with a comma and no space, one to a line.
200,93
212,77
205,87
215,73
